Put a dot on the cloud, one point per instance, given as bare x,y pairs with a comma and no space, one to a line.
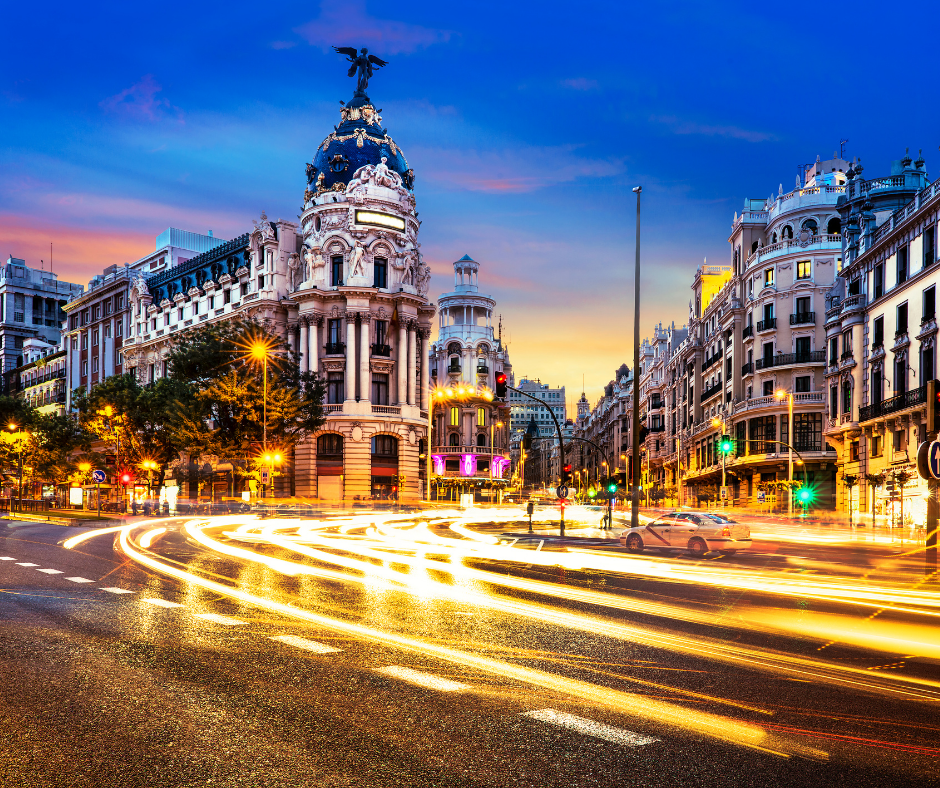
349,24
140,102
283,44
522,169
679,126
580,83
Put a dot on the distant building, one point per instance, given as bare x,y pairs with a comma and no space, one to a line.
40,381
31,302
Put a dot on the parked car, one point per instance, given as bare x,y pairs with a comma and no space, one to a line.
696,532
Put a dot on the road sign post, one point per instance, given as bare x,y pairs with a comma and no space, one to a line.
97,477
928,467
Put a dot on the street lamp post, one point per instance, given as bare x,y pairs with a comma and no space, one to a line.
19,452
635,498
789,396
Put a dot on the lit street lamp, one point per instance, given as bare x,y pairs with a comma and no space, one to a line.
271,460
260,352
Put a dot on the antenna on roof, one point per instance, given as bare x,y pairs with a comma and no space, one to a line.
842,144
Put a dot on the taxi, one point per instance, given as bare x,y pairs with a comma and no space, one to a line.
695,532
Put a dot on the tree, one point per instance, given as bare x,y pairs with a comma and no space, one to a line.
850,480
223,364
874,480
902,477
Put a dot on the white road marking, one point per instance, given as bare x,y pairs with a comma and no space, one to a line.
80,580
117,590
27,564
50,571
217,619
307,645
420,679
6,558
590,727
161,603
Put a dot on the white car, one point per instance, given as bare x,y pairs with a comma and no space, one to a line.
696,532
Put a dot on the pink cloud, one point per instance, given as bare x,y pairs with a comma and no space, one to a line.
140,102
349,24
516,171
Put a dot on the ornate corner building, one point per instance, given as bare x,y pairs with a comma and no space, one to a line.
346,288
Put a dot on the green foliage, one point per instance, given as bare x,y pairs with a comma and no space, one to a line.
225,414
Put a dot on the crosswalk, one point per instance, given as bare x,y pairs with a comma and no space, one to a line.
425,680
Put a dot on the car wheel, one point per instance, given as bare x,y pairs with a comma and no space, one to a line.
634,543
697,547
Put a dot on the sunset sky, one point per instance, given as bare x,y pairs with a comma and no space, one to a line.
527,125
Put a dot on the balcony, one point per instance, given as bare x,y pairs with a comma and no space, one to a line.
901,402
712,391
381,350
482,369
710,361
747,369
747,331
803,318
656,404
767,325
453,369
785,359
658,428
848,355
335,348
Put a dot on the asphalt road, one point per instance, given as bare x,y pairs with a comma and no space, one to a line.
117,675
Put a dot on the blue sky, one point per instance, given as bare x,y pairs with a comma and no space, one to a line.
527,125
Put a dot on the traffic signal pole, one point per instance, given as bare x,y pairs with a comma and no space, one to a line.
933,504
635,493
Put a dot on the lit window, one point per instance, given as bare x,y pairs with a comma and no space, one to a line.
454,417
769,277
481,417
804,269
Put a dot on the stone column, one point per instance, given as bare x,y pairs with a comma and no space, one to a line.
425,392
467,359
304,357
291,337
364,394
402,366
313,346
350,355
412,364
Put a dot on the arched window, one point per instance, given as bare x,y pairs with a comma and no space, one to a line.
453,349
846,398
330,444
787,233
773,238
454,439
385,445
835,226
481,439
810,224
877,385
753,247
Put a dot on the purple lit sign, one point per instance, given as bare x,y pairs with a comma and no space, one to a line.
438,460
497,465
468,464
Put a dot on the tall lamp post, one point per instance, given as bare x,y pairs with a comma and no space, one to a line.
635,498
19,452
788,395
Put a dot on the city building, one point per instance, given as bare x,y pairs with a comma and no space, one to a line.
470,433
99,319
31,306
40,381
523,409
881,324
603,432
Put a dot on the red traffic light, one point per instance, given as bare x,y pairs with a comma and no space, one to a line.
501,380
125,478
567,468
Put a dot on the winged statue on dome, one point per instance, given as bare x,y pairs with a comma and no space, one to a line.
363,63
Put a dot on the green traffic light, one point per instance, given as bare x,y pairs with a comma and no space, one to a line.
805,496
612,488
591,493
726,446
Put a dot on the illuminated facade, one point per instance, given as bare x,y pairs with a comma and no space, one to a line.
469,443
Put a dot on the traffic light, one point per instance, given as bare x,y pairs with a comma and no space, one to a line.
125,479
501,382
612,484
726,444
805,496
566,475
591,492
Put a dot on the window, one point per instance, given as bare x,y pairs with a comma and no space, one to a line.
834,350
335,331
898,436
768,388
900,375
879,280
336,270
803,304
846,398
833,402
769,277
804,269
179,315
379,388
335,393
834,227
330,445
807,431
380,271
930,304
454,417
802,348
94,364
84,340
787,233
876,445
855,286
902,319
260,287
120,302
847,344
768,315
196,308
853,451
84,368
878,334
96,312
930,246
803,383
454,439
19,309
927,366
902,264
94,337
810,224
381,328
119,327
877,385
481,417
226,296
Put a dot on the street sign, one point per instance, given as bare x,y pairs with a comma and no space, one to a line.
562,491
928,460
98,476
265,476
724,493
761,496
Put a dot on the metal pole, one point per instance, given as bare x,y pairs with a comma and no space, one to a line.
264,418
427,457
635,497
790,461
98,496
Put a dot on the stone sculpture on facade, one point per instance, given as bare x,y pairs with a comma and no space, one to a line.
356,262
264,227
363,63
294,271
315,266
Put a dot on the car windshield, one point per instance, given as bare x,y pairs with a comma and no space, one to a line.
719,518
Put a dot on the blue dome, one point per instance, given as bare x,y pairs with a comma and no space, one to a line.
359,140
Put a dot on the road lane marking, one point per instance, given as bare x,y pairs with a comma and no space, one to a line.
307,645
80,580
116,590
27,564
420,679
50,571
6,558
590,727
161,603
215,618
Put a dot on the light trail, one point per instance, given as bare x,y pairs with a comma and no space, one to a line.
654,711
